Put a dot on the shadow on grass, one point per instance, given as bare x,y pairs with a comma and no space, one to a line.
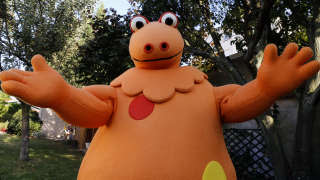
48,160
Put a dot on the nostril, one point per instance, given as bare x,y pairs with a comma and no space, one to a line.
164,46
148,48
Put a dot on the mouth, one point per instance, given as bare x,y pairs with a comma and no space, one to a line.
159,59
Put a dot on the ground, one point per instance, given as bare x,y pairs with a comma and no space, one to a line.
48,160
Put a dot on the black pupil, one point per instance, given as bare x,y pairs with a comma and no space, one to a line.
148,47
164,45
169,21
139,24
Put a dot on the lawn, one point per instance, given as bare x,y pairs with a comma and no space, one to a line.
48,160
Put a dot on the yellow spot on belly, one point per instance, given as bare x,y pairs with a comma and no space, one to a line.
214,171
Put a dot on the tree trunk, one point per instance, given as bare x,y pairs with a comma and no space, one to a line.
315,140
24,149
302,161
270,129
315,43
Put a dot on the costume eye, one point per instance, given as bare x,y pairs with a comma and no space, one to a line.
137,22
169,19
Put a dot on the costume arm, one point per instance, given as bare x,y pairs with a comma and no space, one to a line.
277,76
89,107
240,103
44,87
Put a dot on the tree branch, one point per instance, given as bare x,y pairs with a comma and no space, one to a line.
40,7
215,36
198,37
12,51
222,63
263,19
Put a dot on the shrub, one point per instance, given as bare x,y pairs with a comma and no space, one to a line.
7,110
4,125
34,127
14,126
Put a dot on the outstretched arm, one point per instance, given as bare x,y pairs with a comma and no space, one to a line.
87,107
277,76
241,103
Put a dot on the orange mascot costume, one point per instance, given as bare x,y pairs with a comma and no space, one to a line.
160,121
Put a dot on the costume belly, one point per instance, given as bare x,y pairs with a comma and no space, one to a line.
176,141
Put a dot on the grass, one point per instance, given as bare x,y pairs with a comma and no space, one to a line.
48,160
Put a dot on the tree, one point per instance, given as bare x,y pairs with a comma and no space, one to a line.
101,52
36,27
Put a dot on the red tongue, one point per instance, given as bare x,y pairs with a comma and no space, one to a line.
140,107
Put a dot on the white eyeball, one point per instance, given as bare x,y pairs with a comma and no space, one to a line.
169,19
137,22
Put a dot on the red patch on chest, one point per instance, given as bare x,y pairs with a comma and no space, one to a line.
140,107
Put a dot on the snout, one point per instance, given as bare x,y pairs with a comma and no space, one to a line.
149,47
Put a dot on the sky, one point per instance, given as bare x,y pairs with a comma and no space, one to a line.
120,5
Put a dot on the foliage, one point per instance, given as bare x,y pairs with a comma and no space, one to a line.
67,60
39,27
36,27
282,27
107,53
7,109
49,160
14,126
101,52
3,110
10,112
4,125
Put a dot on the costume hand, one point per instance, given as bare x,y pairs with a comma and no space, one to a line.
44,87
279,75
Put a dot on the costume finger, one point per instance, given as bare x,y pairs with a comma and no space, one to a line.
270,53
15,88
39,63
303,55
309,69
24,73
11,75
290,51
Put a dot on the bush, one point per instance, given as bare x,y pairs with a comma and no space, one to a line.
10,117
4,125
7,110
15,124
38,134
34,127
